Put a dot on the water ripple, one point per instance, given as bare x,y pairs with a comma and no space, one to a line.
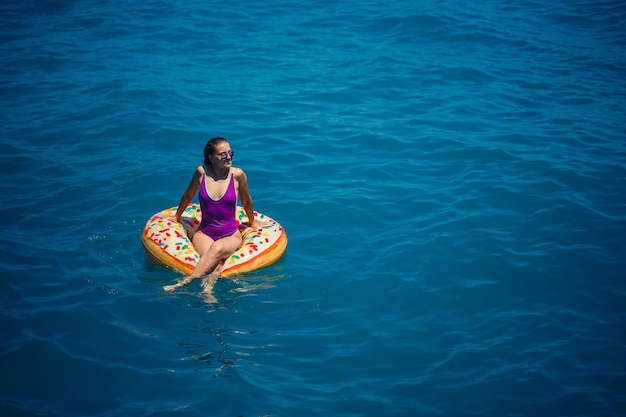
451,178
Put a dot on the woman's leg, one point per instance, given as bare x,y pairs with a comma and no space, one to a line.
202,243
221,249
211,254
214,253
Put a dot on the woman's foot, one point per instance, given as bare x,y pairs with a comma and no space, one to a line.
171,287
179,284
207,288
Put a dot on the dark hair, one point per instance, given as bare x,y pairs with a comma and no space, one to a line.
210,148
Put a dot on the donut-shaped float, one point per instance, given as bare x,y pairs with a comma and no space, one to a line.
168,243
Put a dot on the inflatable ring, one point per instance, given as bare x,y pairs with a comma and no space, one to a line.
168,243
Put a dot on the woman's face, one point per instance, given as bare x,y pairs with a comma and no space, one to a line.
223,154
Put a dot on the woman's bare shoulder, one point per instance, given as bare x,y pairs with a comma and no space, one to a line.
238,173
198,173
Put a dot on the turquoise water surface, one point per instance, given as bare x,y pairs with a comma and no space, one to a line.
451,176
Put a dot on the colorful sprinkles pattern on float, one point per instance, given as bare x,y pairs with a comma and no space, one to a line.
171,236
253,242
174,239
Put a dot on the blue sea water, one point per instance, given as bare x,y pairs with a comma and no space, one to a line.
451,176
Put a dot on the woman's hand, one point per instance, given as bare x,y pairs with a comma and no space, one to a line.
174,219
259,223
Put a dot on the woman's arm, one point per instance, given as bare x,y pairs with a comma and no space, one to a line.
245,197
190,192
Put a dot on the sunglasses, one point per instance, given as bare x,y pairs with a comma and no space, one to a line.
225,156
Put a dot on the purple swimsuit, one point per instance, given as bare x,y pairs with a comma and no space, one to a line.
218,216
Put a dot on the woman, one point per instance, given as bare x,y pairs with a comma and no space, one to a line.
219,184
